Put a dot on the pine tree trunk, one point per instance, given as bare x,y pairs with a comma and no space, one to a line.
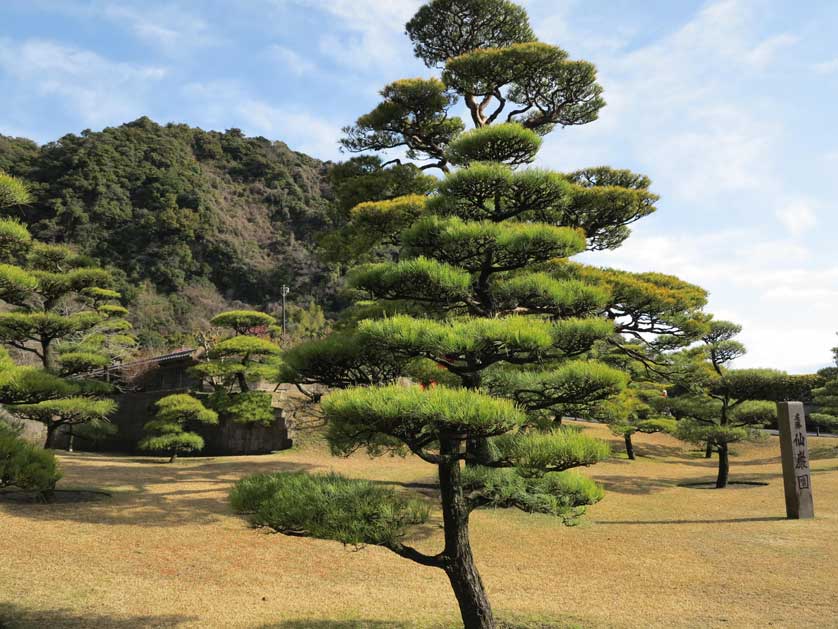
708,451
459,561
173,458
724,467
49,444
629,446
48,357
70,439
478,452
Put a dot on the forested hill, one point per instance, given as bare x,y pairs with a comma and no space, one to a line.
181,209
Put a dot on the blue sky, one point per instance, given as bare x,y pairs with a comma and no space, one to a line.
728,105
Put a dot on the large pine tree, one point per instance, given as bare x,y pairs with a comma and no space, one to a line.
475,280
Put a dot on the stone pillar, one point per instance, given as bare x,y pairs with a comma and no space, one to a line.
794,452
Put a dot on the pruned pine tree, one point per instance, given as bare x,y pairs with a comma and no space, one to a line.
641,407
168,432
475,280
63,311
13,191
635,410
719,406
825,399
44,286
436,424
24,465
236,363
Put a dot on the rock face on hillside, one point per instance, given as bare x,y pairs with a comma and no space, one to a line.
181,209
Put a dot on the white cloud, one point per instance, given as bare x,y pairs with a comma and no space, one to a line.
797,216
99,90
225,104
292,60
300,129
371,34
766,51
784,297
673,94
167,27
827,67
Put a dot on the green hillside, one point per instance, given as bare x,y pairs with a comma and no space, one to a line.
216,217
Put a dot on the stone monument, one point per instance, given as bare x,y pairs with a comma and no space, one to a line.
794,452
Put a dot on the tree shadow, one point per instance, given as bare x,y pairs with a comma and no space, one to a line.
15,617
633,485
768,518
56,497
656,450
154,496
643,486
337,624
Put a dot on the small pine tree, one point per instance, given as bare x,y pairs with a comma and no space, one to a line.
717,406
826,398
235,364
167,432
634,411
24,465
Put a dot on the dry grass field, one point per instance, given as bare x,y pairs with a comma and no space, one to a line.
165,551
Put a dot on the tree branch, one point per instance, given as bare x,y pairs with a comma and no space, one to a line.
408,552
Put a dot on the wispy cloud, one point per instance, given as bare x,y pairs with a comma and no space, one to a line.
370,33
168,27
292,61
226,104
767,50
827,67
797,216
98,90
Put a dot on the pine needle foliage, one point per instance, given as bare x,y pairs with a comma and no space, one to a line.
167,432
24,465
329,506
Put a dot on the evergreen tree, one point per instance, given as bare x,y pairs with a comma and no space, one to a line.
719,406
24,465
236,363
45,285
167,431
478,284
636,410
826,398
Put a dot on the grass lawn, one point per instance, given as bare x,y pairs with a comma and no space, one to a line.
165,550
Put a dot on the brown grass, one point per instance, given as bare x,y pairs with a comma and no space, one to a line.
165,551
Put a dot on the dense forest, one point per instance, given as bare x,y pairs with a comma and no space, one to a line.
192,220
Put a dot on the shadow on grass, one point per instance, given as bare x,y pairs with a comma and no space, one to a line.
769,518
502,623
633,485
149,495
16,617
643,485
336,624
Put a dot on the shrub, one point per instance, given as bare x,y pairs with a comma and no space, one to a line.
24,465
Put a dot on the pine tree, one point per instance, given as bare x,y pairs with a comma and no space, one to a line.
826,398
167,431
24,465
235,363
46,287
719,406
476,282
